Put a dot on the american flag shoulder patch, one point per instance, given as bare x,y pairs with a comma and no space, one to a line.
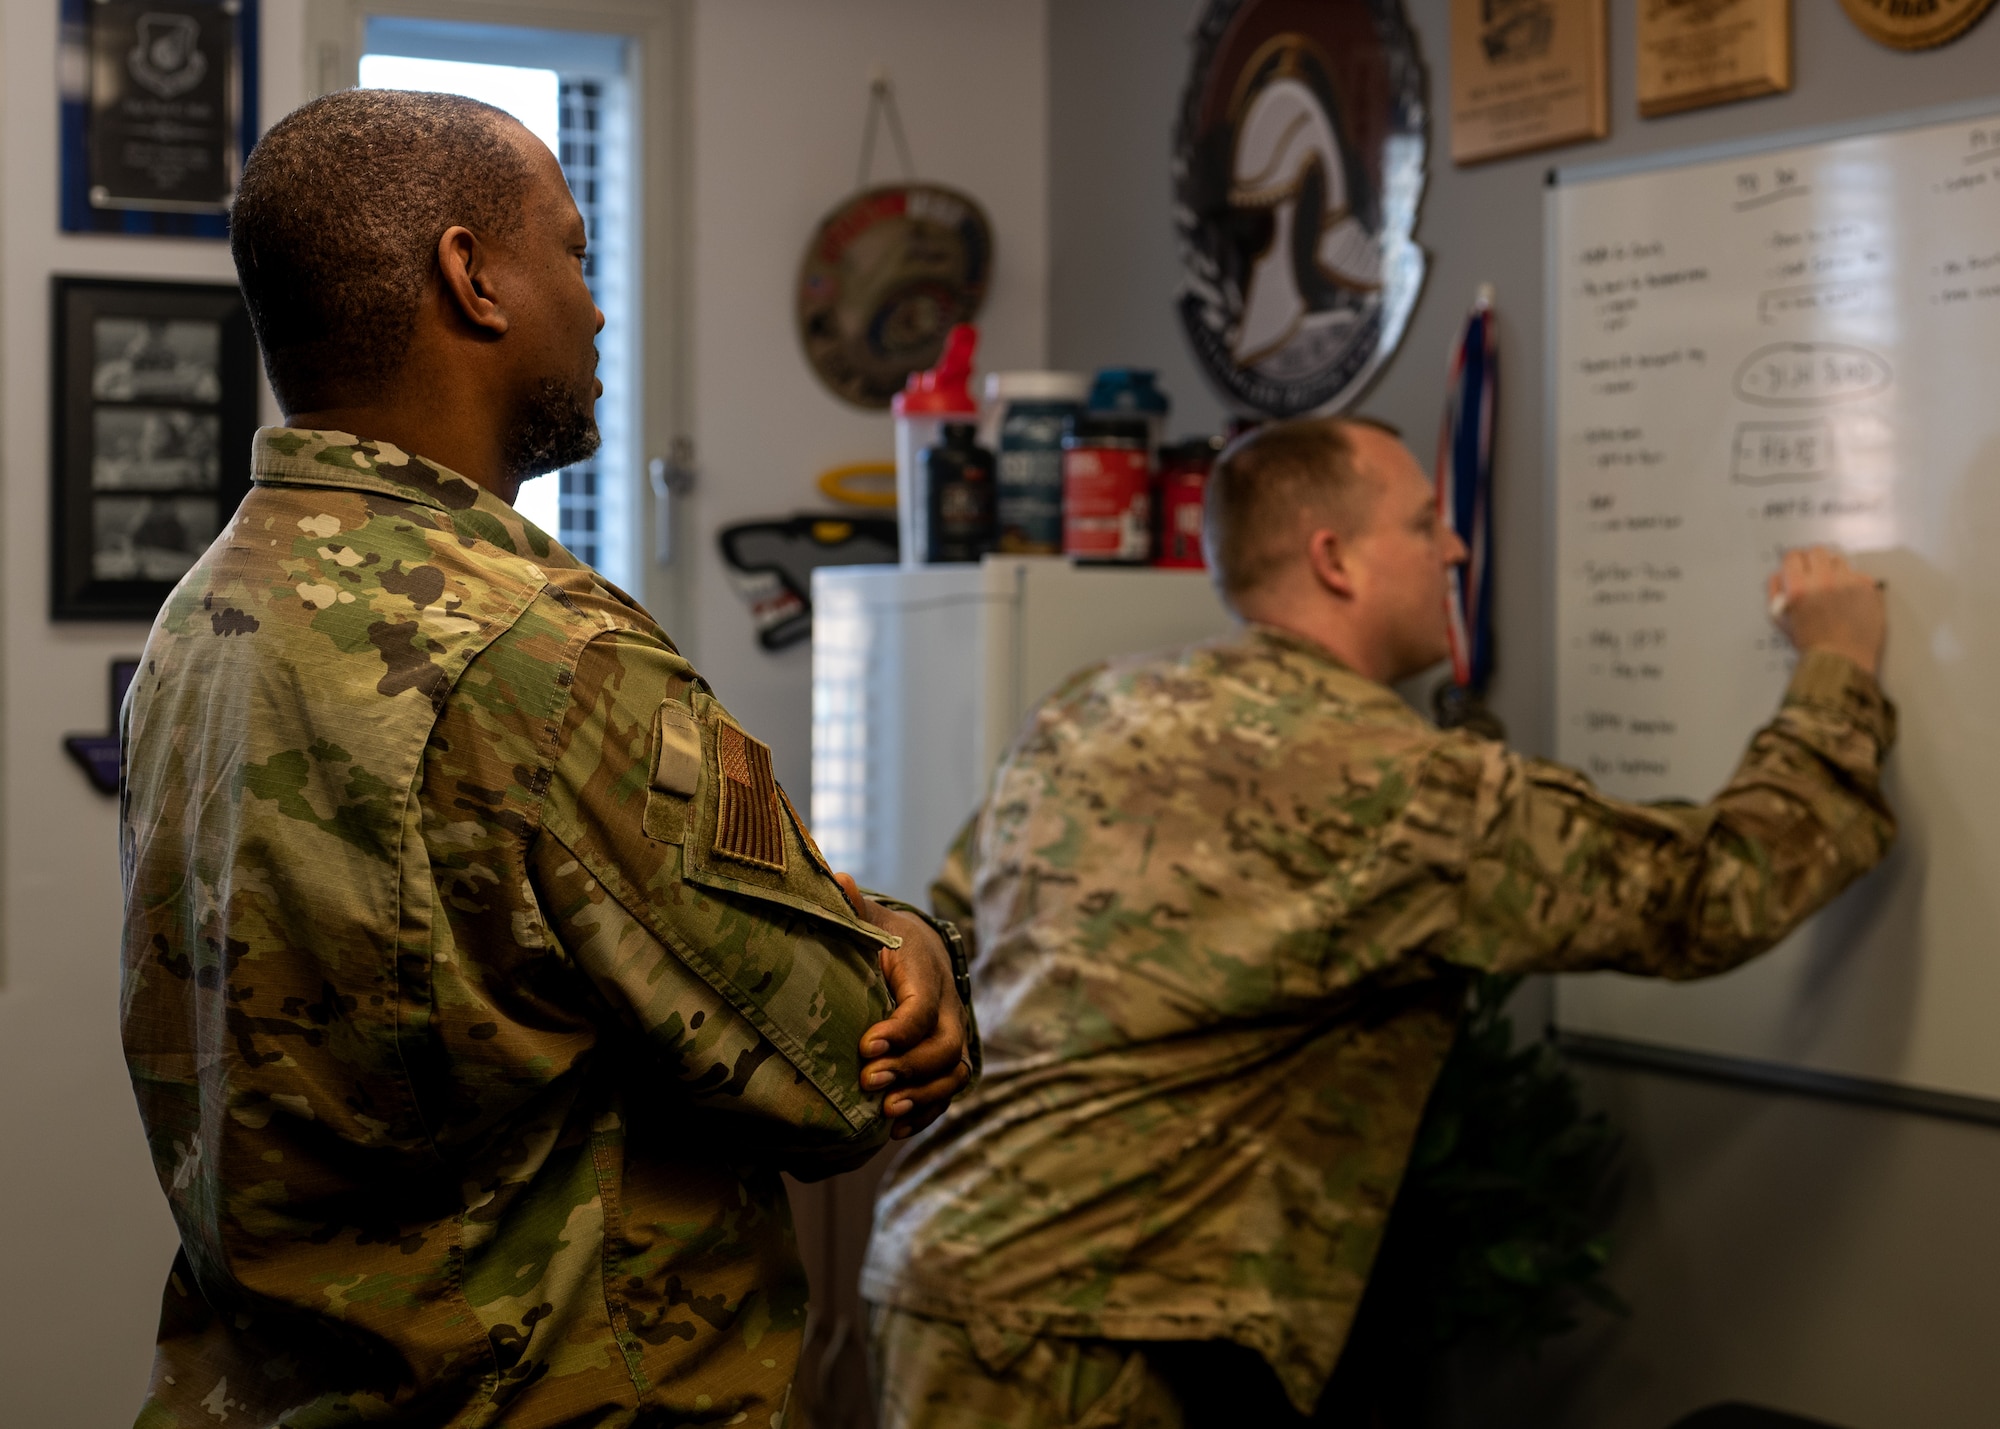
749,819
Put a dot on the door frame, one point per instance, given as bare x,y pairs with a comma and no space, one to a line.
660,32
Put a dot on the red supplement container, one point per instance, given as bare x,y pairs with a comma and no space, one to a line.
1184,469
1107,491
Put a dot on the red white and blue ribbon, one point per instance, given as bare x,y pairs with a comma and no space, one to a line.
1465,493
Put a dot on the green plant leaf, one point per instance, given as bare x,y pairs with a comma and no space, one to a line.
1500,1227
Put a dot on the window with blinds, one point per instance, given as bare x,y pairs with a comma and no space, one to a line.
570,89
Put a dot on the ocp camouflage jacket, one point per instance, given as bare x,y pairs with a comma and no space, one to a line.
1221,900
478,980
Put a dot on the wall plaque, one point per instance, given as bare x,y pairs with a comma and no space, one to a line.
1526,74
888,273
1298,165
158,110
1697,52
1915,24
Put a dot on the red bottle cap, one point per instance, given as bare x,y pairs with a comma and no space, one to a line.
947,388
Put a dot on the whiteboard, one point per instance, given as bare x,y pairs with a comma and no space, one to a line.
1750,353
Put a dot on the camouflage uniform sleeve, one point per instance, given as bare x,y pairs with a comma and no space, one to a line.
1554,876
749,984
951,890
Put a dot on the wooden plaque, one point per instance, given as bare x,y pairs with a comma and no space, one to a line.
1697,52
1525,74
1904,25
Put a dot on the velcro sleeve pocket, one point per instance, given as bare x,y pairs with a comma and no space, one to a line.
676,771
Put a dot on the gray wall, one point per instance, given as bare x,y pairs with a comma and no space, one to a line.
1824,1258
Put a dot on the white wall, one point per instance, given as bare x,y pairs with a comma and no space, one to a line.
85,1238
781,94
779,97
1818,1256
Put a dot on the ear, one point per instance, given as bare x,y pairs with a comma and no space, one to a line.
464,269
1327,557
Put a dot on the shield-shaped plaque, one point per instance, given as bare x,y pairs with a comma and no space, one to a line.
1298,166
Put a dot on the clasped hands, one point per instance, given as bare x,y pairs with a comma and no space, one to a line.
919,1057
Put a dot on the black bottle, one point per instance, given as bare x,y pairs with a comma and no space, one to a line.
960,494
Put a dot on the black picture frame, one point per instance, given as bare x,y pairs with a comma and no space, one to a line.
155,410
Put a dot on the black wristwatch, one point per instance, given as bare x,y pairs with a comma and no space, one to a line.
961,978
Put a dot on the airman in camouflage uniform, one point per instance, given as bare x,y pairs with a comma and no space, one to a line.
1221,899
464,815
479,979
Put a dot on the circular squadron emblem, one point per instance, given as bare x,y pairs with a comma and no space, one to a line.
1298,168
886,276
1906,26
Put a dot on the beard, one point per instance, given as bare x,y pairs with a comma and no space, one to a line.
555,427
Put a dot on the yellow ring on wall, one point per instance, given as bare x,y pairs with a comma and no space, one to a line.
836,483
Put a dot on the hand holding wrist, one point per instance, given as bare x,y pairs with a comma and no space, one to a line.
918,1057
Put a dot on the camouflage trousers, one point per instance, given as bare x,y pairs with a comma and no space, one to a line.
930,1374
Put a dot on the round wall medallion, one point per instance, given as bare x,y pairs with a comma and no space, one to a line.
885,277
1298,168
1915,26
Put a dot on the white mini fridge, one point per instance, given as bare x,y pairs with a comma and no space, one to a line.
921,679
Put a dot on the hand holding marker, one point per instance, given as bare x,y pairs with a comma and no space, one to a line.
1820,602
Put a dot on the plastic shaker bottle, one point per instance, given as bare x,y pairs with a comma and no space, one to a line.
927,402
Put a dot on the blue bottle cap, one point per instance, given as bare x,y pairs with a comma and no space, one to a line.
1128,389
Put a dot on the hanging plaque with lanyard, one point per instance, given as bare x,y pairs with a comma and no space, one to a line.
888,273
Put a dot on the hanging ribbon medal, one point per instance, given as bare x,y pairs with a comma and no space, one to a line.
1465,504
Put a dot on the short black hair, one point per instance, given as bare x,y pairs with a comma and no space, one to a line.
336,224
1272,484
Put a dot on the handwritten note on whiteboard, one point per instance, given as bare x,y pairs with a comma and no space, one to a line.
1761,352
